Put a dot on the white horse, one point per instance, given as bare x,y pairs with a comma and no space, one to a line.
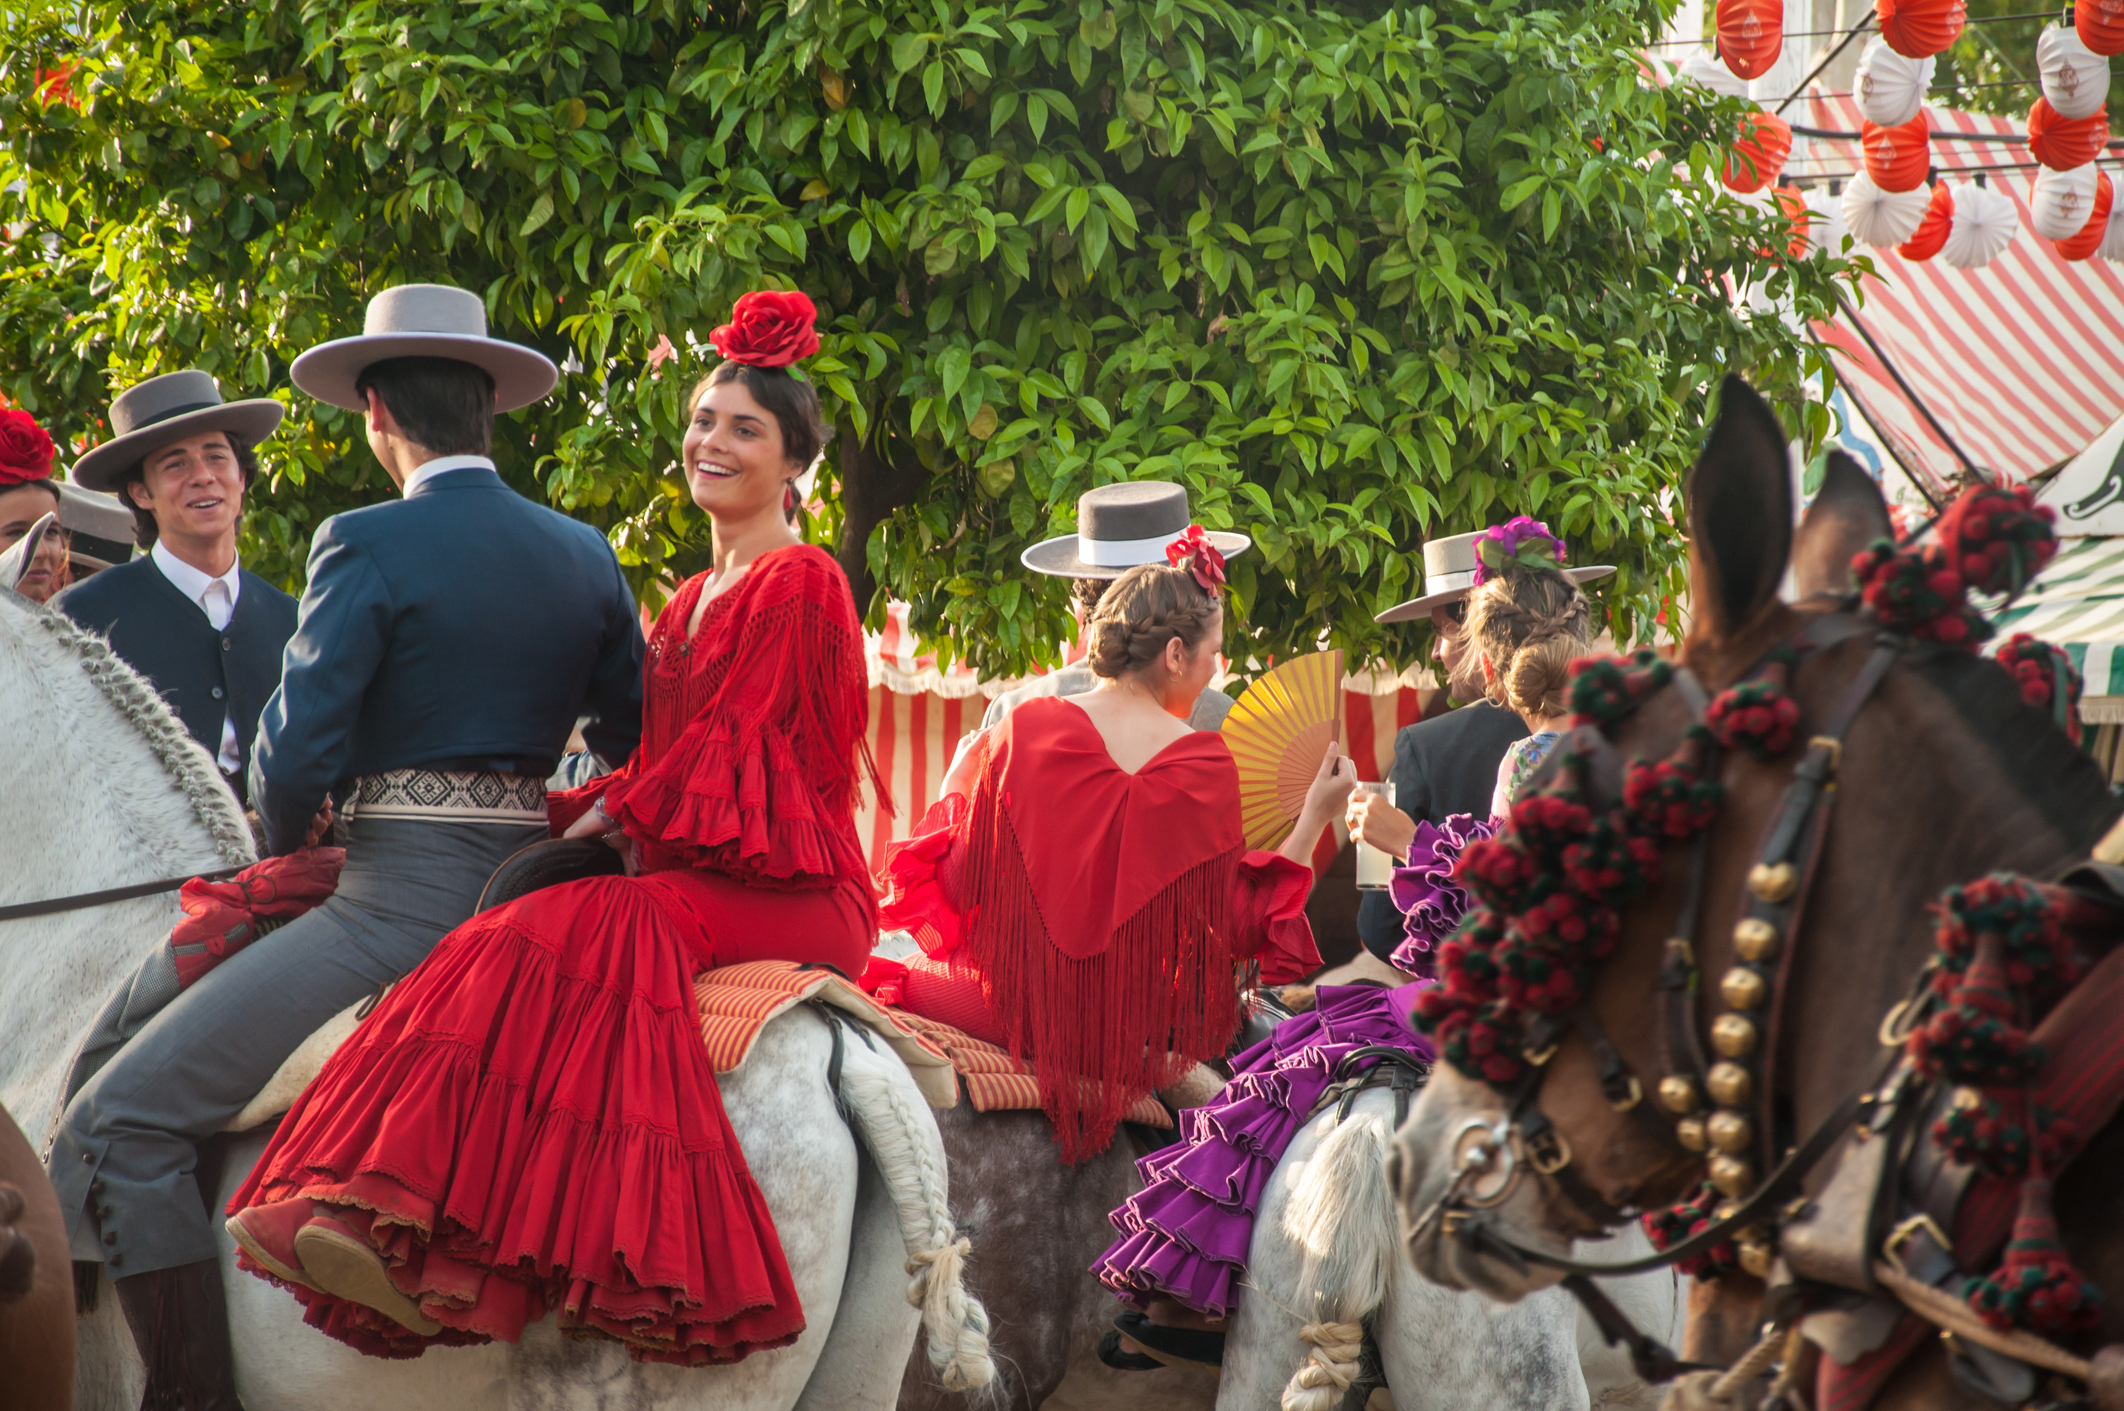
1327,1262
109,790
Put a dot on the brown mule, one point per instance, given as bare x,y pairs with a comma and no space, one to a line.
1945,774
36,1284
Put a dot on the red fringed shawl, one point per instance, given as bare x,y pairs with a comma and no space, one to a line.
1101,908
753,732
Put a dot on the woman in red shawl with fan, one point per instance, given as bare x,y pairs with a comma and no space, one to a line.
549,1048
1082,892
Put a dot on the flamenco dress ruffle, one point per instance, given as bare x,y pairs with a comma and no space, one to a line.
1186,1234
529,1119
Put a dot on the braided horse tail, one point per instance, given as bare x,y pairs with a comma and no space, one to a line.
1339,1205
889,1112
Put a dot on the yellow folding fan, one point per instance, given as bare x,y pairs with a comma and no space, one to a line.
1277,732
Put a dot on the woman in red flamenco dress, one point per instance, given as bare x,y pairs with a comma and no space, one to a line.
528,1124
1082,892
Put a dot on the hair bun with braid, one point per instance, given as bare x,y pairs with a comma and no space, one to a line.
1144,609
1531,623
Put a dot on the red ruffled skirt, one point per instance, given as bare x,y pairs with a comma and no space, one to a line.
532,1120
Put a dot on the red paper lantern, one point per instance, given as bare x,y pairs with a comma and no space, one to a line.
2089,240
1918,29
1931,235
1759,155
1898,157
2063,143
1792,205
1750,34
2100,25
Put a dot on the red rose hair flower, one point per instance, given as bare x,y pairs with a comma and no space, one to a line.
1194,552
25,449
768,328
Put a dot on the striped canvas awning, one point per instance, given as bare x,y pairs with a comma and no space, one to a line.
2077,603
2022,361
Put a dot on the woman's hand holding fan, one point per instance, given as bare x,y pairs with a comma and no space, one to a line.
1326,796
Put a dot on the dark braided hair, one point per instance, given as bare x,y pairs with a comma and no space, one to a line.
1144,609
1531,624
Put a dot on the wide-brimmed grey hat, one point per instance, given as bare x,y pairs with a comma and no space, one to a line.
425,321
1120,527
1449,575
172,407
99,528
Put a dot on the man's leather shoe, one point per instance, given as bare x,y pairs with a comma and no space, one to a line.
267,1234
339,1261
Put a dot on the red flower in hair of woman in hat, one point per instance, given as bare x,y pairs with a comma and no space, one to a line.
1194,552
25,449
768,328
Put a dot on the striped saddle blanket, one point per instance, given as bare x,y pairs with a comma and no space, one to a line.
737,1001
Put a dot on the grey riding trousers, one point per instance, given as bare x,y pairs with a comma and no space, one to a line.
124,1154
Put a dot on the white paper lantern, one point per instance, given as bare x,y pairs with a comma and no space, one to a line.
1702,66
2062,201
2112,247
2075,78
1883,218
1985,223
1889,87
1825,223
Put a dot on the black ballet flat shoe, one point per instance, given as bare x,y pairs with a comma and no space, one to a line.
1111,1354
1175,1347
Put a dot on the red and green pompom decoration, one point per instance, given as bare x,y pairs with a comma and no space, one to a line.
1914,592
1756,716
1669,1227
1604,690
1671,798
2046,677
1995,538
2035,1286
1986,1129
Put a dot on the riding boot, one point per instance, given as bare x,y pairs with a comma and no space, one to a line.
180,1323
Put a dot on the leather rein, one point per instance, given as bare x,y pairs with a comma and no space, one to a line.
1491,1157
82,901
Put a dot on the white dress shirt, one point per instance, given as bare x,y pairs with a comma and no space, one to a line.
217,599
428,469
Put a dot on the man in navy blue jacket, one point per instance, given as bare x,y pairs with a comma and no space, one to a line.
186,615
448,643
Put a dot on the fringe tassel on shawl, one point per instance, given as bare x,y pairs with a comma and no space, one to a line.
1109,1029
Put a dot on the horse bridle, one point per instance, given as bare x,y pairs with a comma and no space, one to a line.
81,901
1492,1156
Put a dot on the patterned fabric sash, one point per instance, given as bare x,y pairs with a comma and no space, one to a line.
451,796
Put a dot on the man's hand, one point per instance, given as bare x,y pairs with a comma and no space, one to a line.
1373,820
319,826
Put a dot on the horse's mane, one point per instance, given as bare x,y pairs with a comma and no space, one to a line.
143,707
2051,772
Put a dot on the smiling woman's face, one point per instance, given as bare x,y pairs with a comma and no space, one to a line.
733,454
21,506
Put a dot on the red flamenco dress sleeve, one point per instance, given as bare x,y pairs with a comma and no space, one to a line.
565,806
923,882
758,784
1268,917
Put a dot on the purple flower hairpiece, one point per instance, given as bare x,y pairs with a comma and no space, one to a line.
1521,540
1423,890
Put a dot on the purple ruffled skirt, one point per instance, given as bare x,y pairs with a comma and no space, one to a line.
1185,1235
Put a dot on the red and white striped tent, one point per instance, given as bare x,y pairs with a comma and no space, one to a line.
918,714
2022,360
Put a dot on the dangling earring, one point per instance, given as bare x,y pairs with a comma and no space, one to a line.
789,503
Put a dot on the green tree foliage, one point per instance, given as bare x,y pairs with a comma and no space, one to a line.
1358,274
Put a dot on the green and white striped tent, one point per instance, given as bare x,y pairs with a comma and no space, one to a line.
2077,603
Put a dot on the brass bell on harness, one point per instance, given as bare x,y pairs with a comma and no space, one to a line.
1755,1258
1730,1084
1678,1094
1755,939
1733,1035
1690,1133
1731,1175
1742,988
1730,1132
1773,882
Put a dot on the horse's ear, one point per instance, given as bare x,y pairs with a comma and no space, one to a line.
1847,515
1740,513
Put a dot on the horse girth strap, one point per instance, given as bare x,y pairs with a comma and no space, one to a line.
83,900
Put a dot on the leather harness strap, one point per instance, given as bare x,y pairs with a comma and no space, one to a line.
82,901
